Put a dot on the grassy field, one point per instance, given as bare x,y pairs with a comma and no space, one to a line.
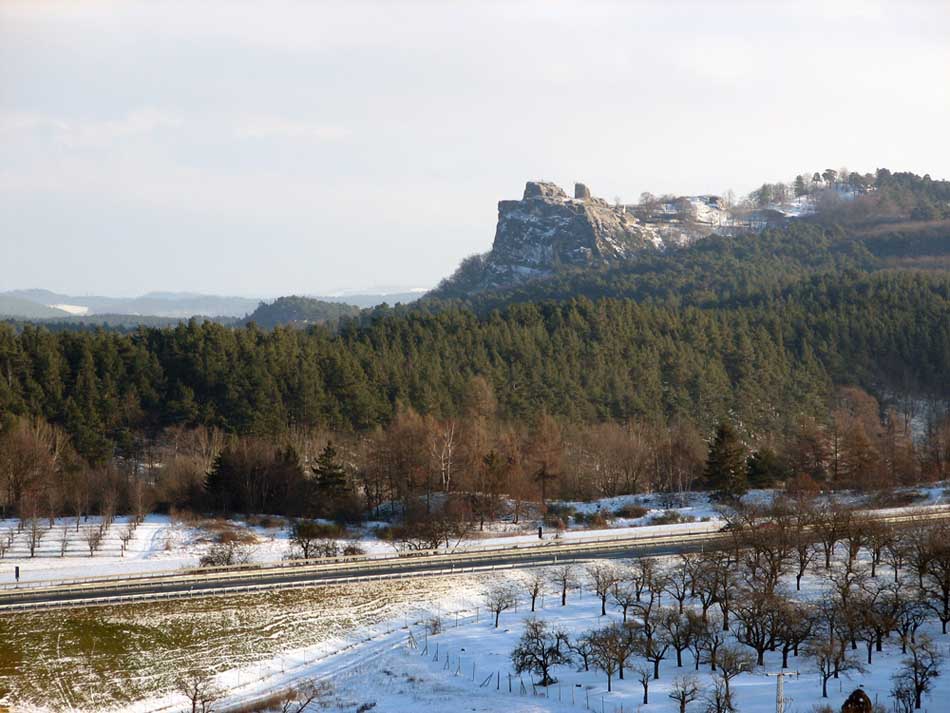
103,657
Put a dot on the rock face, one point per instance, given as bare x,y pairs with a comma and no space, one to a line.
547,230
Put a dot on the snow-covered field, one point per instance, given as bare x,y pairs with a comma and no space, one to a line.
467,666
357,637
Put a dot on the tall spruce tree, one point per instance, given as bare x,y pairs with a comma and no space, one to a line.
726,470
331,477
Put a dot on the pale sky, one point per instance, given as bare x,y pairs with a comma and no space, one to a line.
272,148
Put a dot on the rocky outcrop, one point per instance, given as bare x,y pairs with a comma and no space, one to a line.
547,230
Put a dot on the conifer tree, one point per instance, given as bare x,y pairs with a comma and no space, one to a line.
726,470
331,477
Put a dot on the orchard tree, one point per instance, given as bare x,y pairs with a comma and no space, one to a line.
564,577
538,651
500,598
604,577
684,691
535,587
921,667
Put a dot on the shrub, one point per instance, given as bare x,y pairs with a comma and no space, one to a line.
433,626
594,520
225,555
802,484
671,517
561,510
351,549
894,499
234,535
631,511
553,522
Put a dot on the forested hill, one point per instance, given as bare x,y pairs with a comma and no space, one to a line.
723,270
299,312
762,365
841,221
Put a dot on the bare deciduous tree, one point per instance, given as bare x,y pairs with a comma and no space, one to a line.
564,577
684,691
92,536
500,598
200,691
604,577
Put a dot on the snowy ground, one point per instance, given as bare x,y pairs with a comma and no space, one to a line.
126,658
467,666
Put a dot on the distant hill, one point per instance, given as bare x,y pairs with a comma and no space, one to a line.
370,299
299,312
17,308
154,304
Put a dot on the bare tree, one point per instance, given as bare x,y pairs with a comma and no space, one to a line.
298,700
63,540
35,534
500,598
564,577
535,586
705,584
604,654
126,534
756,613
677,581
911,613
719,699
679,629
936,580
653,645
443,444
583,648
732,661
605,577
538,651
624,596
93,539
684,691
921,667
830,659
200,691
644,675
794,623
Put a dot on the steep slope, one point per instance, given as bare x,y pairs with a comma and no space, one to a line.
547,232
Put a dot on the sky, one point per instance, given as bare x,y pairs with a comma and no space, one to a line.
279,148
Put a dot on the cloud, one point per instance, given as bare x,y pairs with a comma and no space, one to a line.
268,127
87,133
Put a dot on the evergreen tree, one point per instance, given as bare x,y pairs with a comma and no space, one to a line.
330,474
800,188
726,471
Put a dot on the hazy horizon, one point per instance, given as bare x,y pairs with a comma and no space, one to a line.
225,148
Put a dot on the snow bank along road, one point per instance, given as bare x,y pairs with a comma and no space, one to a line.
212,581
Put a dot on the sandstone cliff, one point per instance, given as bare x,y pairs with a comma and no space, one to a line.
547,230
